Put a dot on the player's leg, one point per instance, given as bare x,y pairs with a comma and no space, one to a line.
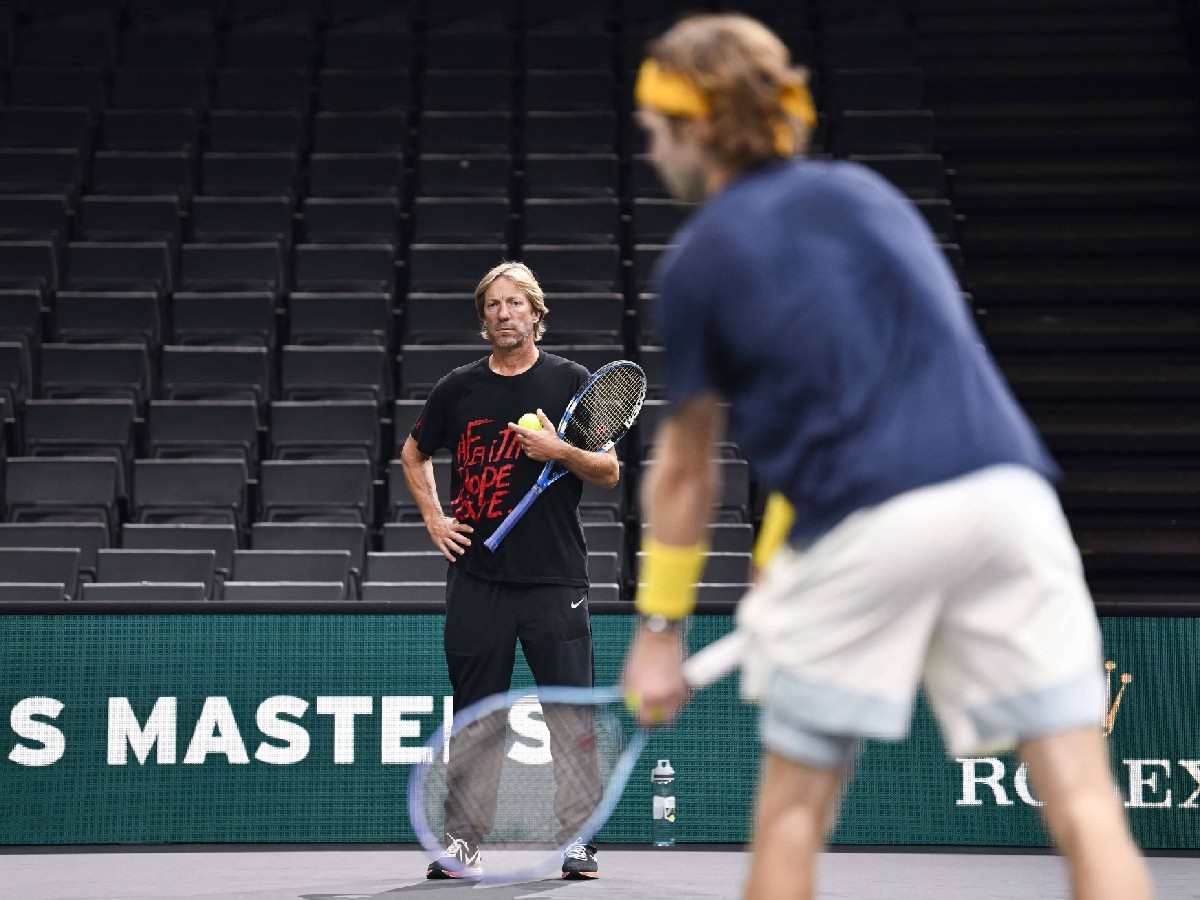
796,805
480,645
1071,776
1016,660
555,634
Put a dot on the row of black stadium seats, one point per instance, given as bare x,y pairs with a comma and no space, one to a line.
61,566
331,220
88,539
81,371
543,175
83,488
350,90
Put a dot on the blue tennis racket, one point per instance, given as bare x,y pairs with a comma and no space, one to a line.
521,776
598,416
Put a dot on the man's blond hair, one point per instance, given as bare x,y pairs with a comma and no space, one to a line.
522,276
744,71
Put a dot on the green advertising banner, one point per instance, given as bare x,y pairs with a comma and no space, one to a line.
301,728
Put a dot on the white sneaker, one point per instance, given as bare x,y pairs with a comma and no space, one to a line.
460,859
579,861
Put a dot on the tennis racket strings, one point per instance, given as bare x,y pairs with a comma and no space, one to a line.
607,409
523,780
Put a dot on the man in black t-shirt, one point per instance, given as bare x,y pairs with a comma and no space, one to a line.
534,587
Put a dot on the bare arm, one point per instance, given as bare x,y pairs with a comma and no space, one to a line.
448,535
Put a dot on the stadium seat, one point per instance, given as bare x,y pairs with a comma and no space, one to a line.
341,430
553,50
442,318
336,373
315,592
326,566
268,50
422,565
64,489
404,592
259,131
348,536
878,88
216,373
398,537
11,594
103,428
157,567
646,182
203,430
604,567
341,221
603,504
21,321
143,173
464,174
136,592
352,90
477,51
118,267
404,416
195,491
160,88
919,175
231,267
220,539
465,132
136,219
86,537
576,267
150,130
57,86
461,220
355,174
572,221
166,50
489,89
27,565
262,89
34,217
586,317
40,171
340,318
345,267
422,367
45,127
77,371
571,175
360,132
576,90
592,131
268,174
29,264
367,49
316,491
241,220
107,318
450,267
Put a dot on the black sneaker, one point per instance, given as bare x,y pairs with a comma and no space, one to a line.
460,859
579,861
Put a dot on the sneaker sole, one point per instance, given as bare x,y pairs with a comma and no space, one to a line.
579,876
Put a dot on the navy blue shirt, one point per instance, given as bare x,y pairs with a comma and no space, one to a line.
814,298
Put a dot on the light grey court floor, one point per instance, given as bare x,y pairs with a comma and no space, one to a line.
679,874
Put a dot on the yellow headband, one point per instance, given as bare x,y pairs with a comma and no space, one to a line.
676,95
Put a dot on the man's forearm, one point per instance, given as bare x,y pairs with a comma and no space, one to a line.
679,500
595,468
418,474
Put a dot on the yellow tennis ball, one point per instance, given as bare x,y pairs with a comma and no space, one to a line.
530,420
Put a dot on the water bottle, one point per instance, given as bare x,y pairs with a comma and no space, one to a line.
662,830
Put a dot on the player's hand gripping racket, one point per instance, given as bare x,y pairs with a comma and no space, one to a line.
598,416
522,775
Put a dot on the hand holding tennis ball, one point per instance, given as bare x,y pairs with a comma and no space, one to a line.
530,420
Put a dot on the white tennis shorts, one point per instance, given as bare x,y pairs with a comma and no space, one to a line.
972,588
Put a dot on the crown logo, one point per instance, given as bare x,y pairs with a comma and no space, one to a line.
1113,704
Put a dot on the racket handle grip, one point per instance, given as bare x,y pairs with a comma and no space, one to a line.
512,518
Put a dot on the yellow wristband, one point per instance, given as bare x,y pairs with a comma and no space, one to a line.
776,523
667,581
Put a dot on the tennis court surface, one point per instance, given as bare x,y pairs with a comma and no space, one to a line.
336,874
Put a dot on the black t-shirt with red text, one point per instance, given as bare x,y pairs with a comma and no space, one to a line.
468,413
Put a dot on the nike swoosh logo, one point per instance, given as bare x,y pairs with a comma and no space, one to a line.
576,604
